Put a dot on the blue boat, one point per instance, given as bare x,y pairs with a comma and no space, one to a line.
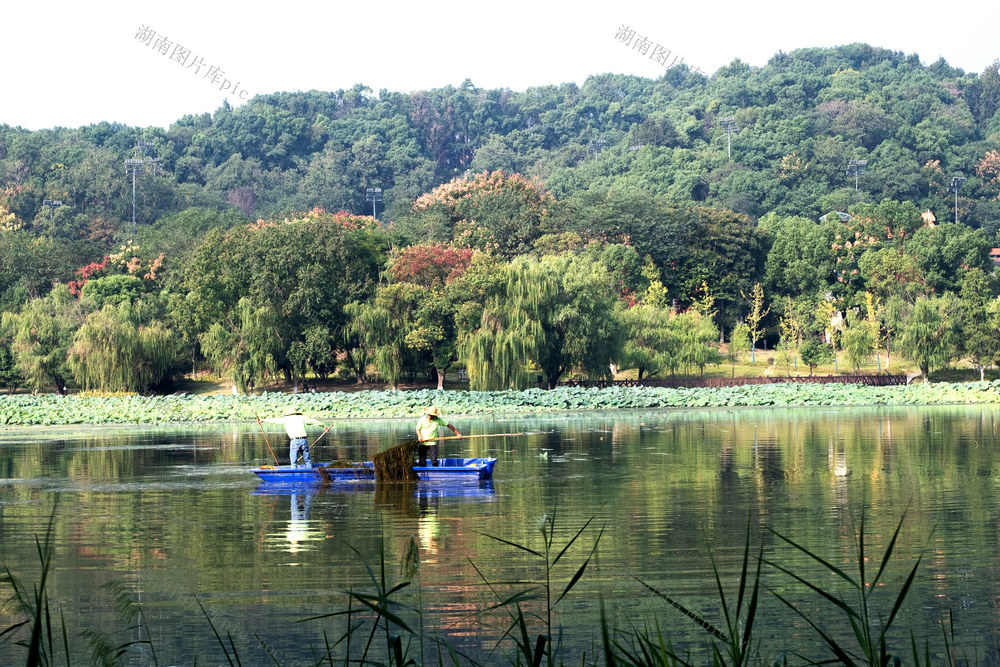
447,470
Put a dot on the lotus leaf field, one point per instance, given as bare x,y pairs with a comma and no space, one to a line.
55,409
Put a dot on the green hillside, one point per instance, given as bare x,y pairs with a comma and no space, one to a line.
635,176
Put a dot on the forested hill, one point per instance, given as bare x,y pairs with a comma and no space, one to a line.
800,119
253,248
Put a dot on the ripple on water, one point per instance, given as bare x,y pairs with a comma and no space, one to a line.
671,498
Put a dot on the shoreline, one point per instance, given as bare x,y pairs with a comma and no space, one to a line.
191,410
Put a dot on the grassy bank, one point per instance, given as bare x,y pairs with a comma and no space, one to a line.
55,409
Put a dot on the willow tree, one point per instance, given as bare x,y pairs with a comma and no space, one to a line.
382,327
858,339
120,348
697,340
557,313
929,336
649,339
40,336
246,346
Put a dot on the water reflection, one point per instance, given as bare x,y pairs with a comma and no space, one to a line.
180,505
420,501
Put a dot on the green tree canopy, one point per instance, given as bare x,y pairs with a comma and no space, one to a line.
930,333
41,335
557,313
301,271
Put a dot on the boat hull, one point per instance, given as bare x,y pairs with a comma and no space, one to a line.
447,470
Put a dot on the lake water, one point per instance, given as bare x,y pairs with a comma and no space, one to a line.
174,515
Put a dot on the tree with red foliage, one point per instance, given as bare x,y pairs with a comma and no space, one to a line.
426,263
86,273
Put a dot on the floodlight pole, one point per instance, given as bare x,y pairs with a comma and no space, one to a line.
596,146
729,126
374,195
956,185
53,204
856,168
137,165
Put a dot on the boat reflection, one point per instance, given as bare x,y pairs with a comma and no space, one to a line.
420,501
423,491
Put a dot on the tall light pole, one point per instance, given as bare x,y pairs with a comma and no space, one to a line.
137,165
729,126
374,195
53,204
596,146
856,168
956,185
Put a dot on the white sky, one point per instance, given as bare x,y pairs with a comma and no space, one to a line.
76,63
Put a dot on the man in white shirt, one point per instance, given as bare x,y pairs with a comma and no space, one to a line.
295,426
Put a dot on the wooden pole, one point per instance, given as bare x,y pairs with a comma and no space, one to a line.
320,437
466,437
266,442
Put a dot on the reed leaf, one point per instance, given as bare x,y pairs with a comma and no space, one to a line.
378,605
573,539
579,573
700,621
871,635
545,643
267,648
513,544
218,637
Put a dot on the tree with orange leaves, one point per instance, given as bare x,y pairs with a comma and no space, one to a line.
496,212
988,169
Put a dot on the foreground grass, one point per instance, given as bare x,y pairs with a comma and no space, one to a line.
55,409
384,623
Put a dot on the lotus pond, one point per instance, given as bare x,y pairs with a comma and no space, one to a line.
48,409
172,514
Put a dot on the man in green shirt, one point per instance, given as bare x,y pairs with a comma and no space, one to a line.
427,431
295,426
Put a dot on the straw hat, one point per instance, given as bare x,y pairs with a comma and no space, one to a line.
293,410
433,411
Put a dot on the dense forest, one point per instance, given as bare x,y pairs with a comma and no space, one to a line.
556,230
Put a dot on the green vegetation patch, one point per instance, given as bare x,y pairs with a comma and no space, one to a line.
56,409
